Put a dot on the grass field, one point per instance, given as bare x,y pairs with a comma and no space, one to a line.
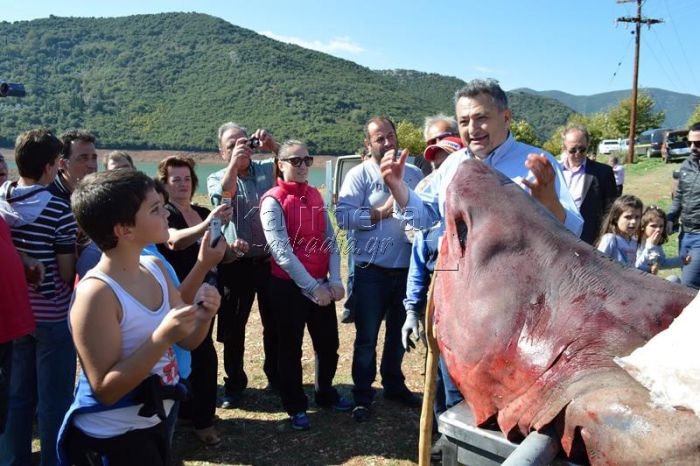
258,432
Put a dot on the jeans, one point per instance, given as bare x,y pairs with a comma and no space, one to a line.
378,294
5,370
689,244
43,374
447,394
239,282
294,311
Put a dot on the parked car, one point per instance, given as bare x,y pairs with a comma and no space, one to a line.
624,147
650,141
343,164
608,146
675,145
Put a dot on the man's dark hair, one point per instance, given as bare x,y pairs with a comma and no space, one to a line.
68,137
34,149
695,127
489,87
105,199
377,120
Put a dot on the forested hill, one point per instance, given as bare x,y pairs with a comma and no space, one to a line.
169,80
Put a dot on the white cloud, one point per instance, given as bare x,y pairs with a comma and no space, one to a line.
333,46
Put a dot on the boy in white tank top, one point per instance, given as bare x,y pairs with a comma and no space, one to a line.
125,317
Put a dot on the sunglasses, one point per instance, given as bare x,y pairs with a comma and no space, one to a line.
580,150
694,144
297,161
438,138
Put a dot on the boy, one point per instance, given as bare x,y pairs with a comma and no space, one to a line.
43,362
125,317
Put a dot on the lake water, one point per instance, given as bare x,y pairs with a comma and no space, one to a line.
317,173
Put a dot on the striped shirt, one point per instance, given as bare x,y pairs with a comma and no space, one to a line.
42,226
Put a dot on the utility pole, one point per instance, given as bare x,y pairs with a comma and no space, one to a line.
638,20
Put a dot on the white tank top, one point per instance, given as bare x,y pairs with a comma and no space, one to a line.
137,324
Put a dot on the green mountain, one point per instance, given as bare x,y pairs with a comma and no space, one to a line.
167,81
678,107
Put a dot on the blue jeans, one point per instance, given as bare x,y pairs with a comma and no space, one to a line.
447,394
689,244
378,295
43,374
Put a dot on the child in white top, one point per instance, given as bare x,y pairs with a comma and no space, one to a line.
619,173
650,255
122,213
621,229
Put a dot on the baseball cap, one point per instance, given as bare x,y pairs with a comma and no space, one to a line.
449,145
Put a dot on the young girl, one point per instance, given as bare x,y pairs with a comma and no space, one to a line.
621,229
650,255
619,173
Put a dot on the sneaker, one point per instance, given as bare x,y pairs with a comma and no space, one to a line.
348,316
300,421
231,401
361,413
343,405
405,397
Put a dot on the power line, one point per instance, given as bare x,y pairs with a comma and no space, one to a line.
680,43
619,63
638,21
673,82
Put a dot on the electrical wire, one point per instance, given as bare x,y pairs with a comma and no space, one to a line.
680,43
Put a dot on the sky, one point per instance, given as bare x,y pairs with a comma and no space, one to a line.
572,46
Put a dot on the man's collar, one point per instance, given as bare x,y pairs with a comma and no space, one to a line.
62,183
565,165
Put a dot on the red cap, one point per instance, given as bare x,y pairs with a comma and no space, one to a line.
449,145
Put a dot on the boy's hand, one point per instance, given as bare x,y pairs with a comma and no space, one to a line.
240,247
178,324
686,260
207,301
223,211
208,256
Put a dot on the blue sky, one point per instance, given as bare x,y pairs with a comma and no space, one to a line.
572,46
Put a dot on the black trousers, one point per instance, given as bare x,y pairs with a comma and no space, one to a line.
239,283
136,447
201,407
293,312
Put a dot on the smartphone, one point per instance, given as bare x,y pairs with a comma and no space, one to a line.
214,231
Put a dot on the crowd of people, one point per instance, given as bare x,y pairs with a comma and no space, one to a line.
125,273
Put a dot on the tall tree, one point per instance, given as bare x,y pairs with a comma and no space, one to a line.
619,116
524,132
410,137
695,117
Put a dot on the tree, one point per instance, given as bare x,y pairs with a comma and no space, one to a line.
619,116
410,137
597,124
524,132
695,117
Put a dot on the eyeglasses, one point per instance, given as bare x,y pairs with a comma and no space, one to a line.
574,150
297,161
694,144
438,138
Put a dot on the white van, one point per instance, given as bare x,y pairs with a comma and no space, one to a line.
608,146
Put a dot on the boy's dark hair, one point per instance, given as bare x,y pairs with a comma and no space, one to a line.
105,199
162,190
626,201
695,127
68,137
655,213
34,149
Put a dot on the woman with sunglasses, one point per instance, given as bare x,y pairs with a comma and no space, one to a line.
305,282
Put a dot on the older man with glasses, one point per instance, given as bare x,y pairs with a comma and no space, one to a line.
685,209
592,184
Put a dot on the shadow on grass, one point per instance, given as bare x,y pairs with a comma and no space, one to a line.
252,435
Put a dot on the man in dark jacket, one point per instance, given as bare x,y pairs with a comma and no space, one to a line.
686,208
592,184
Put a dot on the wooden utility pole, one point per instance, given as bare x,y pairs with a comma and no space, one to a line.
638,20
